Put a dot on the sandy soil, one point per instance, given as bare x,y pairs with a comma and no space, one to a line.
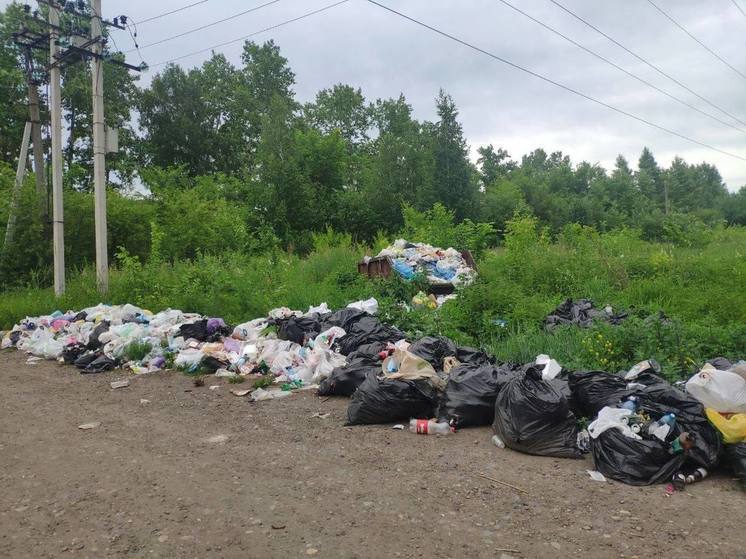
196,472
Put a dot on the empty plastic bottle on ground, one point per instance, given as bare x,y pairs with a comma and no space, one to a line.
429,427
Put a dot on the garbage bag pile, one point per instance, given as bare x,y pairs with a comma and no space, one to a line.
720,387
642,429
441,266
581,313
296,347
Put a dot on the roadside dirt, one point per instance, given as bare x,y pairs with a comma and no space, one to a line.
154,480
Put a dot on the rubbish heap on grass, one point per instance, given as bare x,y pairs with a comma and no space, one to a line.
439,266
642,430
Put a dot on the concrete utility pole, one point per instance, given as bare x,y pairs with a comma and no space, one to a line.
99,150
55,106
41,183
15,197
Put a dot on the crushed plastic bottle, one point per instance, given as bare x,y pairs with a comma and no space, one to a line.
497,441
430,427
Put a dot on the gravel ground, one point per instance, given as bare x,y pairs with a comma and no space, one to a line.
195,472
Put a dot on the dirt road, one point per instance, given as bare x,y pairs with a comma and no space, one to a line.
196,472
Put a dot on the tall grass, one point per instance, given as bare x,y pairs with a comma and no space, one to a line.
700,289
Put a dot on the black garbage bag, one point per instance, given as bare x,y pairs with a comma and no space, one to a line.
466,354
71,352
634,461
343,381
662,398
720,363
581,313
366,330
387,400
86,359
15,335
101,327
471,391
298,328
434,350
82,315
99,365
205,330
371,350
735,458
532,416
343,318
594,390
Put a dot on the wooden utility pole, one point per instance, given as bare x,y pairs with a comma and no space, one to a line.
99,150
55,109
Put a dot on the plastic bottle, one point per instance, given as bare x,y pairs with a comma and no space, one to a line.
698,475
497,441
630,404
663,426
429,427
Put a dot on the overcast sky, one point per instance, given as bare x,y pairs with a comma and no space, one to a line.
362,45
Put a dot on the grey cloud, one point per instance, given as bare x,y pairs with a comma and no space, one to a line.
360,44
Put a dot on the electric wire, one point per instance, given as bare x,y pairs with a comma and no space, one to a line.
201,27
704,46
646,62
164,14
270,28
621,69
553,82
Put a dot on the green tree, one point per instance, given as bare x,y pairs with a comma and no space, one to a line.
453,179
341,108
493,164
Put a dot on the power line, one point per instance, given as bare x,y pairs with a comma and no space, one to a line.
740,9
553,82
704,46
303,16
201,27
164,14
646,62
620,68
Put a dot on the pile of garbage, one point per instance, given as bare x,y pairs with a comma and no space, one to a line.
581,313
642,429
440,266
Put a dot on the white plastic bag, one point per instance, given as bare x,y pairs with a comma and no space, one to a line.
551,367
368,305
723,391
611,418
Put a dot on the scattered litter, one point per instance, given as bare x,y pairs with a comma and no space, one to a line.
261,394
581,313
596,476
87,426
278,526
497,441
642,429
33,360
